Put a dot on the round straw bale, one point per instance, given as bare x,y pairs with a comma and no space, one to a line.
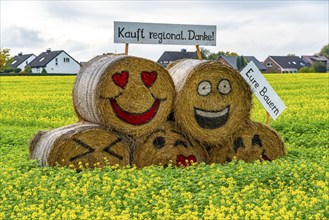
213,101
130,94
80,144
255,141
167,145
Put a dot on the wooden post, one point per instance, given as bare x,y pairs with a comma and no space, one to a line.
198,52
267,118
126,49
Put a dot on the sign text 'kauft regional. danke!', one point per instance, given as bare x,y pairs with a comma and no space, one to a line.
155,33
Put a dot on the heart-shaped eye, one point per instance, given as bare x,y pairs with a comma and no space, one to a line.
121,79
149,78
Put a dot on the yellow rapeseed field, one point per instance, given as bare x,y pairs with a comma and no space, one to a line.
292,187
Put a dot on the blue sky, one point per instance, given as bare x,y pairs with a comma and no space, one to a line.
84,29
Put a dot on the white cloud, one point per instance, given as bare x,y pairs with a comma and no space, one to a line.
85,28
14,36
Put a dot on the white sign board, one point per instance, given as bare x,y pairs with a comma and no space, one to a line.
263,90
154,33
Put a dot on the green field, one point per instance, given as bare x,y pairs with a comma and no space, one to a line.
293,187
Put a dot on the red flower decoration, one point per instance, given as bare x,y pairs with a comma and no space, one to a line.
181,160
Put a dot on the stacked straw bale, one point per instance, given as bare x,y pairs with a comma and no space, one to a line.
213,101
255,142
123,103
116,98
213,105
167,145
130,94
79,145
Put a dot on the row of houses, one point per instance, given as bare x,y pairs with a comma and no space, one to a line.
272,64
60,62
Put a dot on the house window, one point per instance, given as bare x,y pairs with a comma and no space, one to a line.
26,62
14,62
269,64
294,62
66,60
41,59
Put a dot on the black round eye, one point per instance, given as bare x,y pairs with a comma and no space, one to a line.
180,142
159,142
256,141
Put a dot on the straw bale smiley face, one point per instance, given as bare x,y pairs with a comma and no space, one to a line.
167,144
90,146
140,118
255,141
214,103
258,142
250,148
134,93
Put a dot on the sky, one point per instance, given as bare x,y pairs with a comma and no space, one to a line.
84,29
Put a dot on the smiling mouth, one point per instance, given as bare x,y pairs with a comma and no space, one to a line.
265,157
211,119
136,118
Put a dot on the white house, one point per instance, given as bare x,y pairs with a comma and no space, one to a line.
55,62
21,60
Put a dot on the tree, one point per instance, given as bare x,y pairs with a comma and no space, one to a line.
7,70
27,69
325,51
44,71
228,53
304,69
241,62
319,67
4,58
215,56
207,55
17,70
